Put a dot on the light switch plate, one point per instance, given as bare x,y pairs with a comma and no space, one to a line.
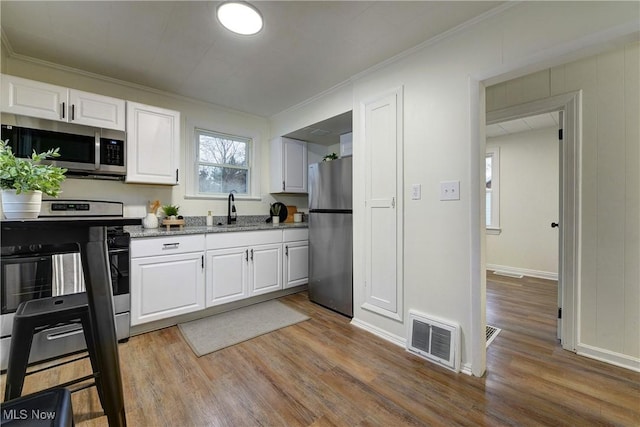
450,190
416,191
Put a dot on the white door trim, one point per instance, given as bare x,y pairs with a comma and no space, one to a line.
569,104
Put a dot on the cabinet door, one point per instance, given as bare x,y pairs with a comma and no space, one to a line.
294,154
226,275
166,286
153,144
383,212
96,110
288,166
34,99
296,263
265,262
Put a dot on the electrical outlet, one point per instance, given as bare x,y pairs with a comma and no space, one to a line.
416,192
450,190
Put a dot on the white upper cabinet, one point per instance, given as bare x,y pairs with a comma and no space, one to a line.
153,144
288,166
96,110
46,101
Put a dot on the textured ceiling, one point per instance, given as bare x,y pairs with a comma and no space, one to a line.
305,48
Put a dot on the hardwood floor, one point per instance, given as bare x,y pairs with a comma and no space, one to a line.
325,372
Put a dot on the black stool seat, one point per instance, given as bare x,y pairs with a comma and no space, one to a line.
35,315
49,408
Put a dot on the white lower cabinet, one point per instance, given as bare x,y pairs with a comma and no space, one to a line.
252,267
226,275
171,276
296,257
296,264
167,277
265,271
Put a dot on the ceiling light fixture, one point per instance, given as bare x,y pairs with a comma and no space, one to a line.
240,17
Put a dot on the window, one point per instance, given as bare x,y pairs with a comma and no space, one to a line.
492,187
222,163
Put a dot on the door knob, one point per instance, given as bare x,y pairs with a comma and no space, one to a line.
554,225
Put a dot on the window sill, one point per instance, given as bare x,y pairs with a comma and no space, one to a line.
220,197
494,230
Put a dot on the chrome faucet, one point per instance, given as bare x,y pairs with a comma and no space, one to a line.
232,216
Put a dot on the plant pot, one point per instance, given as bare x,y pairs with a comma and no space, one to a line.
275,219
25,205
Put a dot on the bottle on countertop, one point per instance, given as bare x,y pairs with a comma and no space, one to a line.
209,219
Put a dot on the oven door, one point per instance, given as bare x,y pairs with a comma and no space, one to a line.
26,277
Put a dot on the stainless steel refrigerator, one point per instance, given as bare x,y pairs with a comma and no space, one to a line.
330,235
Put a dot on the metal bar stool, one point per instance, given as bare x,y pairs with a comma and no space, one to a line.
36,315
50,408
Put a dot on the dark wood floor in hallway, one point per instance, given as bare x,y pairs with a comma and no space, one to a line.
325,372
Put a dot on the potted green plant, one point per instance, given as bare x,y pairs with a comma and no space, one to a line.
171,211
275,213
329,157
23,180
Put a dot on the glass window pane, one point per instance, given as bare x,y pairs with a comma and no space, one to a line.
220,150
215,179
488,169
488,208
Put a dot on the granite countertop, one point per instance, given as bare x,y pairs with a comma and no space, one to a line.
197,226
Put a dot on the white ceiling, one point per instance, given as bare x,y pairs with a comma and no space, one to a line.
305,48
539,121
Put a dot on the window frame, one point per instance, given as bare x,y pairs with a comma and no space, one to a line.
192,190
494,154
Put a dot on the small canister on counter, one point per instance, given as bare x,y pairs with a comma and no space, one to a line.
297,217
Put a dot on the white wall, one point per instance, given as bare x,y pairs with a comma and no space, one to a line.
443,118
213,117
529,183
609,289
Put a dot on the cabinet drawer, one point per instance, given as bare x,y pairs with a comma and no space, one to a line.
166,245
242,238
296,234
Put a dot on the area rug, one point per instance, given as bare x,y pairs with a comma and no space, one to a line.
232,327
491,333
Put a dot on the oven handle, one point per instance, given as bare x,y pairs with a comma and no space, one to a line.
60,335
118,251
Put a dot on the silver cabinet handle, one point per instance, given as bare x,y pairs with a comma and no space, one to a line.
73,112
246,255
286,250
283,186
251,254
170,246
393,202
63,108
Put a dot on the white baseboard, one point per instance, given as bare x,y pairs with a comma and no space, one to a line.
466,369
522,271
610,357
392,338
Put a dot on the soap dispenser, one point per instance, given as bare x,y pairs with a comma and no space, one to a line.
209,219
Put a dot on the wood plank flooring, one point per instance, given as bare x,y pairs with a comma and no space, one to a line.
325,372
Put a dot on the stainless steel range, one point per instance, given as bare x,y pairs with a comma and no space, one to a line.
41,271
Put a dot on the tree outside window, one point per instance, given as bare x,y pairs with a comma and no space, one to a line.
222,163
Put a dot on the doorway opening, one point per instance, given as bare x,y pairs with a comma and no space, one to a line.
523,190
567,108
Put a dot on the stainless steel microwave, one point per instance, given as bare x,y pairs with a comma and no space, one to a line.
84,150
